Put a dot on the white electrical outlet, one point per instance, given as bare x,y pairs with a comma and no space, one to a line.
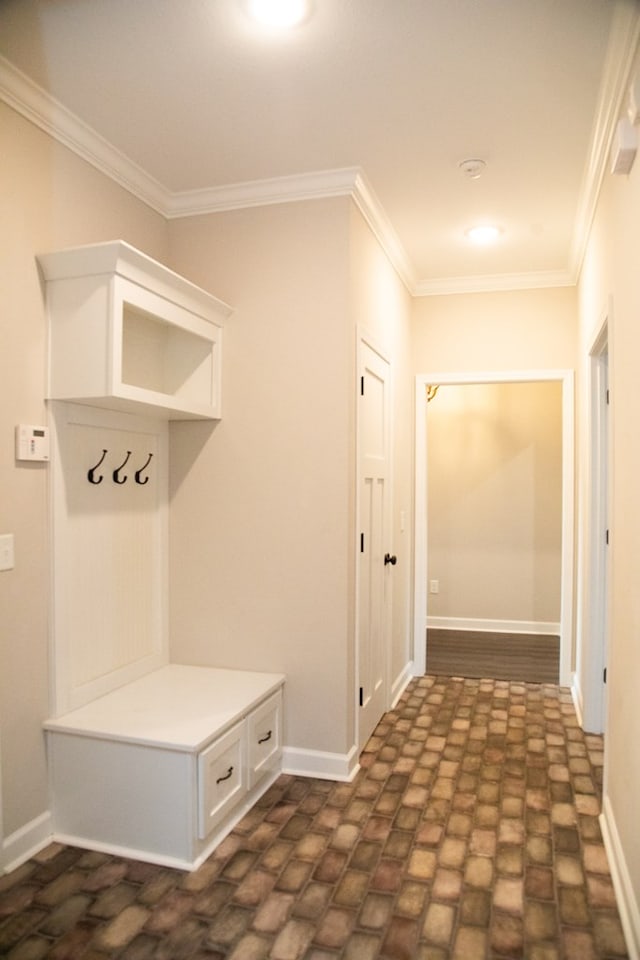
7,560
434,586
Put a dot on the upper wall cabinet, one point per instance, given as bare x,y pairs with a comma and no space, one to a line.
126,333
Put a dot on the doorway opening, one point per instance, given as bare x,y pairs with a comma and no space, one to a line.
565,379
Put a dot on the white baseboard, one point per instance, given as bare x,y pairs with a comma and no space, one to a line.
320,764
495,626
625,896
576,696
399,685
26,842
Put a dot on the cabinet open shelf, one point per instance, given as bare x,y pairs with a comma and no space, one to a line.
126,333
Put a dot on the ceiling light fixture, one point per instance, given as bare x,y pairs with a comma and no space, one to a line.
483,235
278,13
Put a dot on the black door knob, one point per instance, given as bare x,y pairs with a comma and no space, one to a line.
390,559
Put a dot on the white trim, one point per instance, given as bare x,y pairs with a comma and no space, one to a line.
593,636
320,764
40,108
26,842
622,883
543,627
262,193
419,646
621,50
47,113
490,283
568,527
576,696
341,182
400,684
383,230
568,521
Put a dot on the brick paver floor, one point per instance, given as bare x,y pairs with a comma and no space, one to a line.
470,833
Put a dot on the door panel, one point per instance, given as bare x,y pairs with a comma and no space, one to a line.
373,493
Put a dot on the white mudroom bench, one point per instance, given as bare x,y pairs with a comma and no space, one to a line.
162,768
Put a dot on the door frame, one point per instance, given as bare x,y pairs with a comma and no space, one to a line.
593,645
365,339
566,378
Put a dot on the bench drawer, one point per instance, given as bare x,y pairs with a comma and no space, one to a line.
264,735
221,778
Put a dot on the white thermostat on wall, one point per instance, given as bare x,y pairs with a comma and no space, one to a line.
32,443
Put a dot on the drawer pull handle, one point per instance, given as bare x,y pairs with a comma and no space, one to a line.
264,739
226,776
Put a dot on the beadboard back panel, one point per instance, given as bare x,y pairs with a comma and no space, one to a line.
109,541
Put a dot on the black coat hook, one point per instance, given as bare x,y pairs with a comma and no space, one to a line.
116,472
91,474
139,472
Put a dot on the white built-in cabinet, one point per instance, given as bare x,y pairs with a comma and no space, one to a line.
148,758
126,333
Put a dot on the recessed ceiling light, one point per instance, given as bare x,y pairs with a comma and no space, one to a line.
278,13
483,235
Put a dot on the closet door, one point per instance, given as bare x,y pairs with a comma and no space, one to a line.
373,573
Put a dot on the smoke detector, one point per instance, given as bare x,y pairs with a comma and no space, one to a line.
472,168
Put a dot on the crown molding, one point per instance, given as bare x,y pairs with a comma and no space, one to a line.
261,193
47,113
621,50
39,107
374,214
494,283
342,182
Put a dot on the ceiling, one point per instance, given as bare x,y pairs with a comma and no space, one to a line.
194,108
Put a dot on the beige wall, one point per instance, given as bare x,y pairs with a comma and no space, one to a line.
494,494
515,330
262,506
260,512
610,288
48,199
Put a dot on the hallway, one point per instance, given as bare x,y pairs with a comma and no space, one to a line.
471,833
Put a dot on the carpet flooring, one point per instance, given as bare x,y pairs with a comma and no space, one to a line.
470,832
526,657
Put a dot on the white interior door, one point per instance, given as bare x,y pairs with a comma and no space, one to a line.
373,572
595,636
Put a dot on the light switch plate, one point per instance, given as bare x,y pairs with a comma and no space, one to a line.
6,551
